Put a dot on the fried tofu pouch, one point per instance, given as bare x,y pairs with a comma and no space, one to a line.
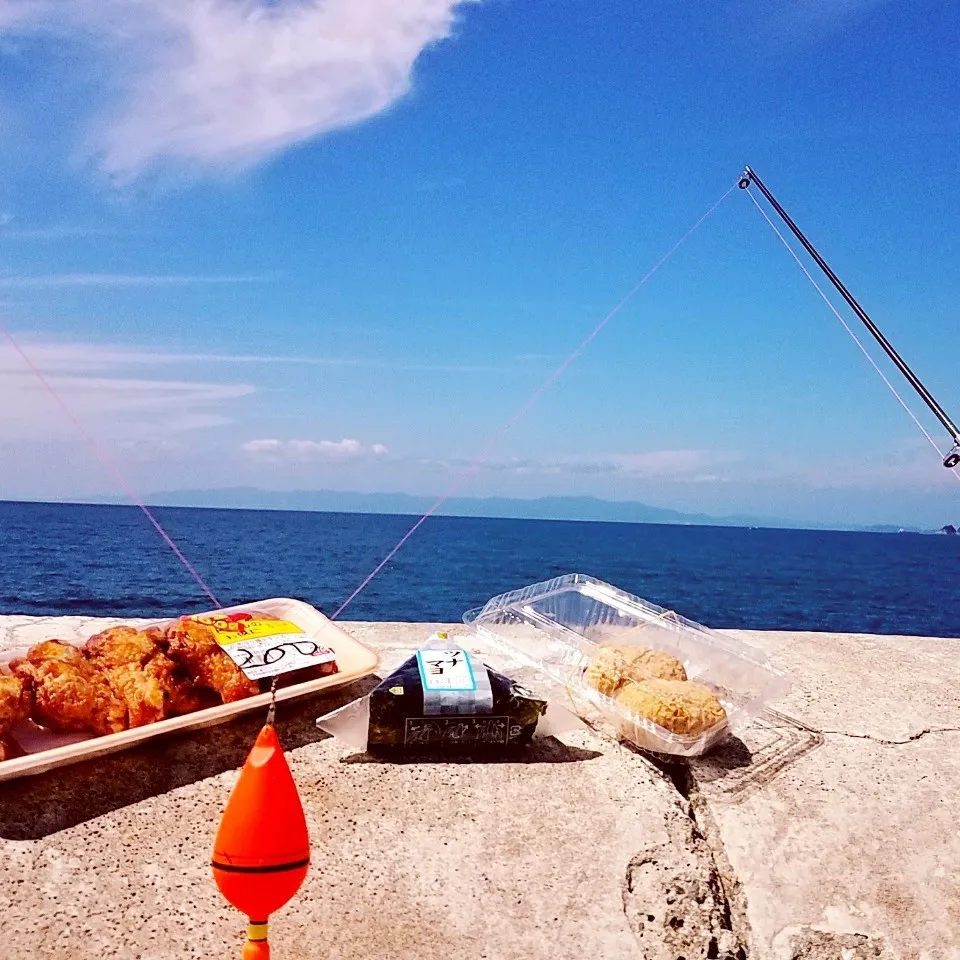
680,706
617,664
70,694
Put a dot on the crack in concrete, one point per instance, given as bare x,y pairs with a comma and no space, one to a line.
911,739
685,903
810,943
734,900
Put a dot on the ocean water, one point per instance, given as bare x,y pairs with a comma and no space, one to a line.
103,560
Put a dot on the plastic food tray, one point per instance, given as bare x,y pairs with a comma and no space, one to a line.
353,660
557,628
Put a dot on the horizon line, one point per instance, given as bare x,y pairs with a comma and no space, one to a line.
712,522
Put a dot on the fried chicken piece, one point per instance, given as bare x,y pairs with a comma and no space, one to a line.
194,645
120,646
52,650
141,674
615,665
680,706
184,697
70,693
16,701
155,634
130,662
141,690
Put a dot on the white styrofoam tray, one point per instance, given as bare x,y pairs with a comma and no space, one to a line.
354,661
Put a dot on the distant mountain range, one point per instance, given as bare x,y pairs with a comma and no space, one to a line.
541,508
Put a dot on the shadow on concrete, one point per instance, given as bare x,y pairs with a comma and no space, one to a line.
730,753
736,768
729,756
37,806
541,750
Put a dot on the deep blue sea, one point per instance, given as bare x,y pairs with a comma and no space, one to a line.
104,560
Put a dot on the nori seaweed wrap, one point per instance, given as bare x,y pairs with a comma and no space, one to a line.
447,699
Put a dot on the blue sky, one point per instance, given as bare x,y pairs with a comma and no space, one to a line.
337,244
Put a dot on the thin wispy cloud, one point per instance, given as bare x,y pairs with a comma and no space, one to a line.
110,395
122,280
908,466
805,20
79,356
691,466
228,83
827,11
311,451
119,408
57,232
137,394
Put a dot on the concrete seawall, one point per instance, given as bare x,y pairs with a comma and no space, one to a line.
832,831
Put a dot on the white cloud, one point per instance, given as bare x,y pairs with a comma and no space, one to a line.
806,20
679,465
911,465
117,280
11,230
325,451
96,387
66,355
230,82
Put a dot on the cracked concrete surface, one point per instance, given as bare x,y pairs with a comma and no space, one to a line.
683,901
804,943
851,851
676,905
554,857
892,743
828,833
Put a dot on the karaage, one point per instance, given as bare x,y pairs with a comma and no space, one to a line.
16,700
141,674
194,645
70,693
120,646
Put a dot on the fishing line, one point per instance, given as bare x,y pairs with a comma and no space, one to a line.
525,408
109,464
846,326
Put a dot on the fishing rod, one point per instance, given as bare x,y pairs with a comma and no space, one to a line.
952,459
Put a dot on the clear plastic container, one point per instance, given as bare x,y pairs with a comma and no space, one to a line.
558,628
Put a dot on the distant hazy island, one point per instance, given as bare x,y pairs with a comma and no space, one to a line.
583,508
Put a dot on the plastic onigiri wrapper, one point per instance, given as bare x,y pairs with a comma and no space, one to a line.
445,697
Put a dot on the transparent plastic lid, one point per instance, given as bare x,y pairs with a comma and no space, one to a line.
560,628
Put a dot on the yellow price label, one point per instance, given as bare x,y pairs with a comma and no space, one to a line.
237,627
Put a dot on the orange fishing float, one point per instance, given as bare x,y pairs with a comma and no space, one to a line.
262,849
